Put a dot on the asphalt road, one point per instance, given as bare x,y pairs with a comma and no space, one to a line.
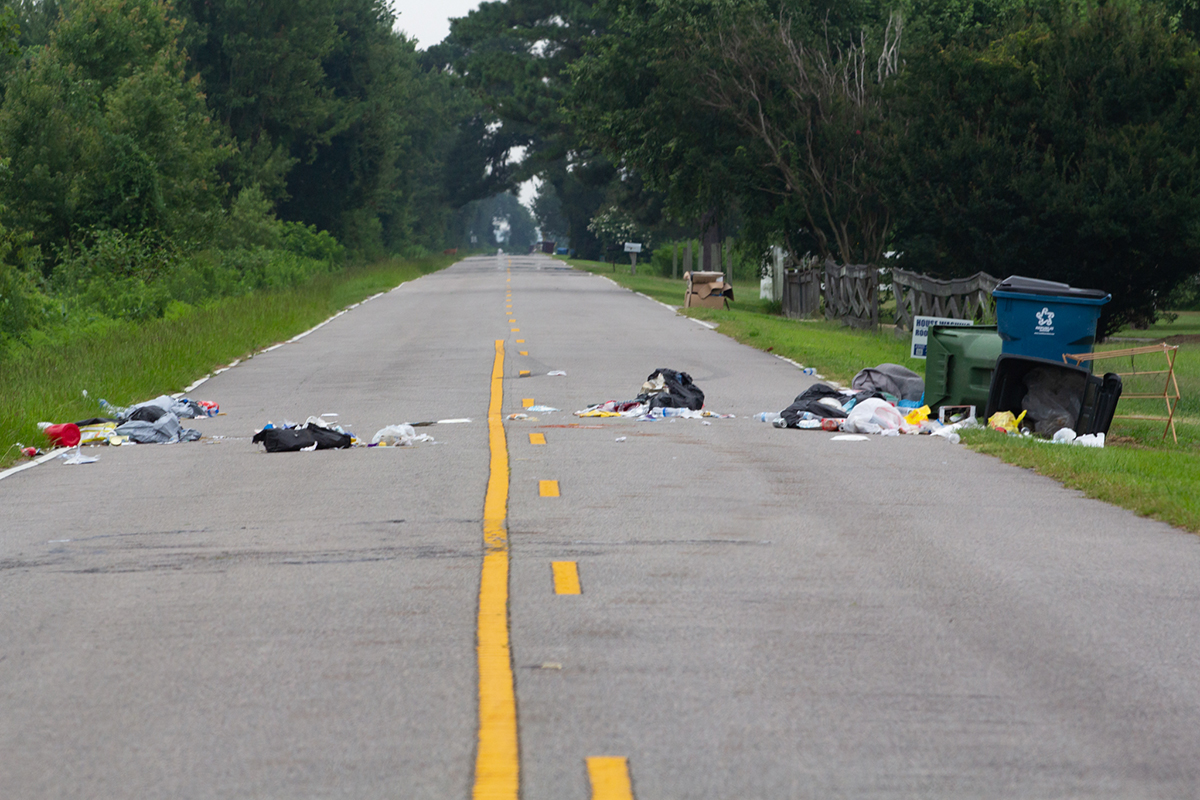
764,613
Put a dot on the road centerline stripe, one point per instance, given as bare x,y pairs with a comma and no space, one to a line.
548,488
566,577
497,757
609,776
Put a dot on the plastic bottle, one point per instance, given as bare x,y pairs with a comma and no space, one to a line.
768,416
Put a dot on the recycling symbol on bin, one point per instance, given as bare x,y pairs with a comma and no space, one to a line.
1045,319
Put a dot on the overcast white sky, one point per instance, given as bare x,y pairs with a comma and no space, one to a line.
429,20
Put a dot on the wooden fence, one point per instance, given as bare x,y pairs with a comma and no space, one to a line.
801,293
961,298
852,294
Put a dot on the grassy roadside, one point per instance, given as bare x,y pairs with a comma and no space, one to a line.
836,352
127,362
1137,470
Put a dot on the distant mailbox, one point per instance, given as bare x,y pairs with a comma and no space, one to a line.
633,247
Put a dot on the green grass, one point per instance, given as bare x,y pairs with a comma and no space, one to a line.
1187,323
1158,483
127,362
1137,470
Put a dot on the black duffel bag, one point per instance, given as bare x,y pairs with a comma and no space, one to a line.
290,440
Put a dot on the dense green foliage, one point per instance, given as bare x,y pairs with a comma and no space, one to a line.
1038,137
156,155
1065,148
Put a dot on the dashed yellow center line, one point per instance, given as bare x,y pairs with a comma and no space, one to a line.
526,402
497,759
522,341
609,776
523,373
515,330
523,352
537,438
548,488
566,577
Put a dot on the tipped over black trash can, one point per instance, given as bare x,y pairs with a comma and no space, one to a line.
1054,395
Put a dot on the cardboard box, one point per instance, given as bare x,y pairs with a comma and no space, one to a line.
706,290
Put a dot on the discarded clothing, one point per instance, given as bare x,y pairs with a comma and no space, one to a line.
666,388
164,429
151,410
892,379
310,437
813,401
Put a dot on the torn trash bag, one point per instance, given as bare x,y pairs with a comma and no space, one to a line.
820,400
678,391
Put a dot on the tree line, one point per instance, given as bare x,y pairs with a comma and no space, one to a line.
156,154
1048,138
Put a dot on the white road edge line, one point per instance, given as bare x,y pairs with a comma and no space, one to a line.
55,453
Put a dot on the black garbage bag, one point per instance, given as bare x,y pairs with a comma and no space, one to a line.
290,440
146,413
810,400
680,391
1053,398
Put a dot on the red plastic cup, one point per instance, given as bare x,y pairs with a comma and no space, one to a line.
65,435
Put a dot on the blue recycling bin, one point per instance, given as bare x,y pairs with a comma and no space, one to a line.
1044,319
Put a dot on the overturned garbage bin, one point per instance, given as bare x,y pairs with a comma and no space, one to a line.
1054,395
959,361
1045,319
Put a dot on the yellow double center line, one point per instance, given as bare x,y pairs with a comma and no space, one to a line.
497,760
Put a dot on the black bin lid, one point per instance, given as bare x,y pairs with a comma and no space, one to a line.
1019,285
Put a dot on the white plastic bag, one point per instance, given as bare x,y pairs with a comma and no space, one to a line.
875,416
399,436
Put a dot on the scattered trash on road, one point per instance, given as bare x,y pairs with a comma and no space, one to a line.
666,393
620,438
518,416
556,373
543,409
75,457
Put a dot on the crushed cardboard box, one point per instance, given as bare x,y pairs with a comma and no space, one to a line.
706,290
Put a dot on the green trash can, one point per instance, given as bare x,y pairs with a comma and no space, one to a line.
958,365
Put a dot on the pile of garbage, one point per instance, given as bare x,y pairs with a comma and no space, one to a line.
155,421
884,400
666,393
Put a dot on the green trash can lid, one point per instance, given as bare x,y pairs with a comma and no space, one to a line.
1017,285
